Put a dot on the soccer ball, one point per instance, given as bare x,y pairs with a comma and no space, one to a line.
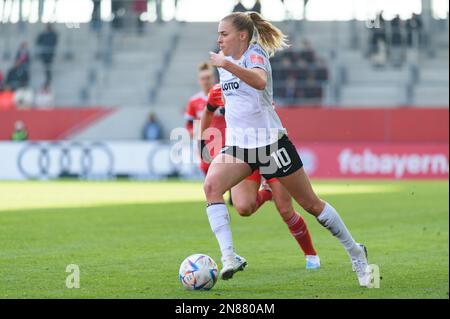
198,272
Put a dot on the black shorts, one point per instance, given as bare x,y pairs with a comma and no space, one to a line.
275,160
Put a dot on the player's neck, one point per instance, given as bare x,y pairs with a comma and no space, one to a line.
240,52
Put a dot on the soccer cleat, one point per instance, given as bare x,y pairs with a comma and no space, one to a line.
312,262
231,265
360,267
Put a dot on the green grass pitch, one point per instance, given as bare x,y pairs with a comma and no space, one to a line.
129,239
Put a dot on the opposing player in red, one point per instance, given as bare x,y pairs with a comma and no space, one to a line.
247,197
197,105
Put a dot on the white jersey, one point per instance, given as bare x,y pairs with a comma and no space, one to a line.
250,116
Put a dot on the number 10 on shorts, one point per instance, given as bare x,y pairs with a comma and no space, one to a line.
281,157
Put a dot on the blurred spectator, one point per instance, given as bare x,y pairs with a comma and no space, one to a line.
301,74
44,97
20,132
18,76
7,99
152,129
378,33
396,22
139,7
321,70
414,27
23,56
307,53
257,6
118,11
302,70
281,68
96,16
396,31
396,50
239,7
46,45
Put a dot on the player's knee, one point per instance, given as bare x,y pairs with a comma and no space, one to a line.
245,210
211,188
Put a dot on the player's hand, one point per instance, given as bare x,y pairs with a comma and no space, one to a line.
217,59
215,96
204,152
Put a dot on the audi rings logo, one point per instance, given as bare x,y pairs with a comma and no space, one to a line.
58,160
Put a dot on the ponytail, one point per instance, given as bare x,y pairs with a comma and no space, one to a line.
260,31
268,36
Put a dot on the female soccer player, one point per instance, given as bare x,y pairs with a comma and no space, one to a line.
247,197
256,139
195,109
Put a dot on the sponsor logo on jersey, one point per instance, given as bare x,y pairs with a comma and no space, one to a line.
256,59
230,86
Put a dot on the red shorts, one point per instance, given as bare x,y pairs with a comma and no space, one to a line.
256,177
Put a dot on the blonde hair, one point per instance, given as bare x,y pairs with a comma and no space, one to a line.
205,66
267,35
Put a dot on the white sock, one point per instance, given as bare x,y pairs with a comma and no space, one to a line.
220,225
330,219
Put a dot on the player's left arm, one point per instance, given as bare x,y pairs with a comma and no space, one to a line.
215,100
255,77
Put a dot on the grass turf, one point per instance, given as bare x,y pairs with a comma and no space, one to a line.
129,238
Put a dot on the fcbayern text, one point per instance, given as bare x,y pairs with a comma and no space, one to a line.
398,165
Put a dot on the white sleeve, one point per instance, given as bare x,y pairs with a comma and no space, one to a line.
256,58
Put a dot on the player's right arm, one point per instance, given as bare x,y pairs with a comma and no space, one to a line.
254,75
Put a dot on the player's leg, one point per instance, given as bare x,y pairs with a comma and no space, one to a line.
244,197
224,172
247,196
290,172
204,167
295,223
299,186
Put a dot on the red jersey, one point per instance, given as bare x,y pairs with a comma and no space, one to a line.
194,111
